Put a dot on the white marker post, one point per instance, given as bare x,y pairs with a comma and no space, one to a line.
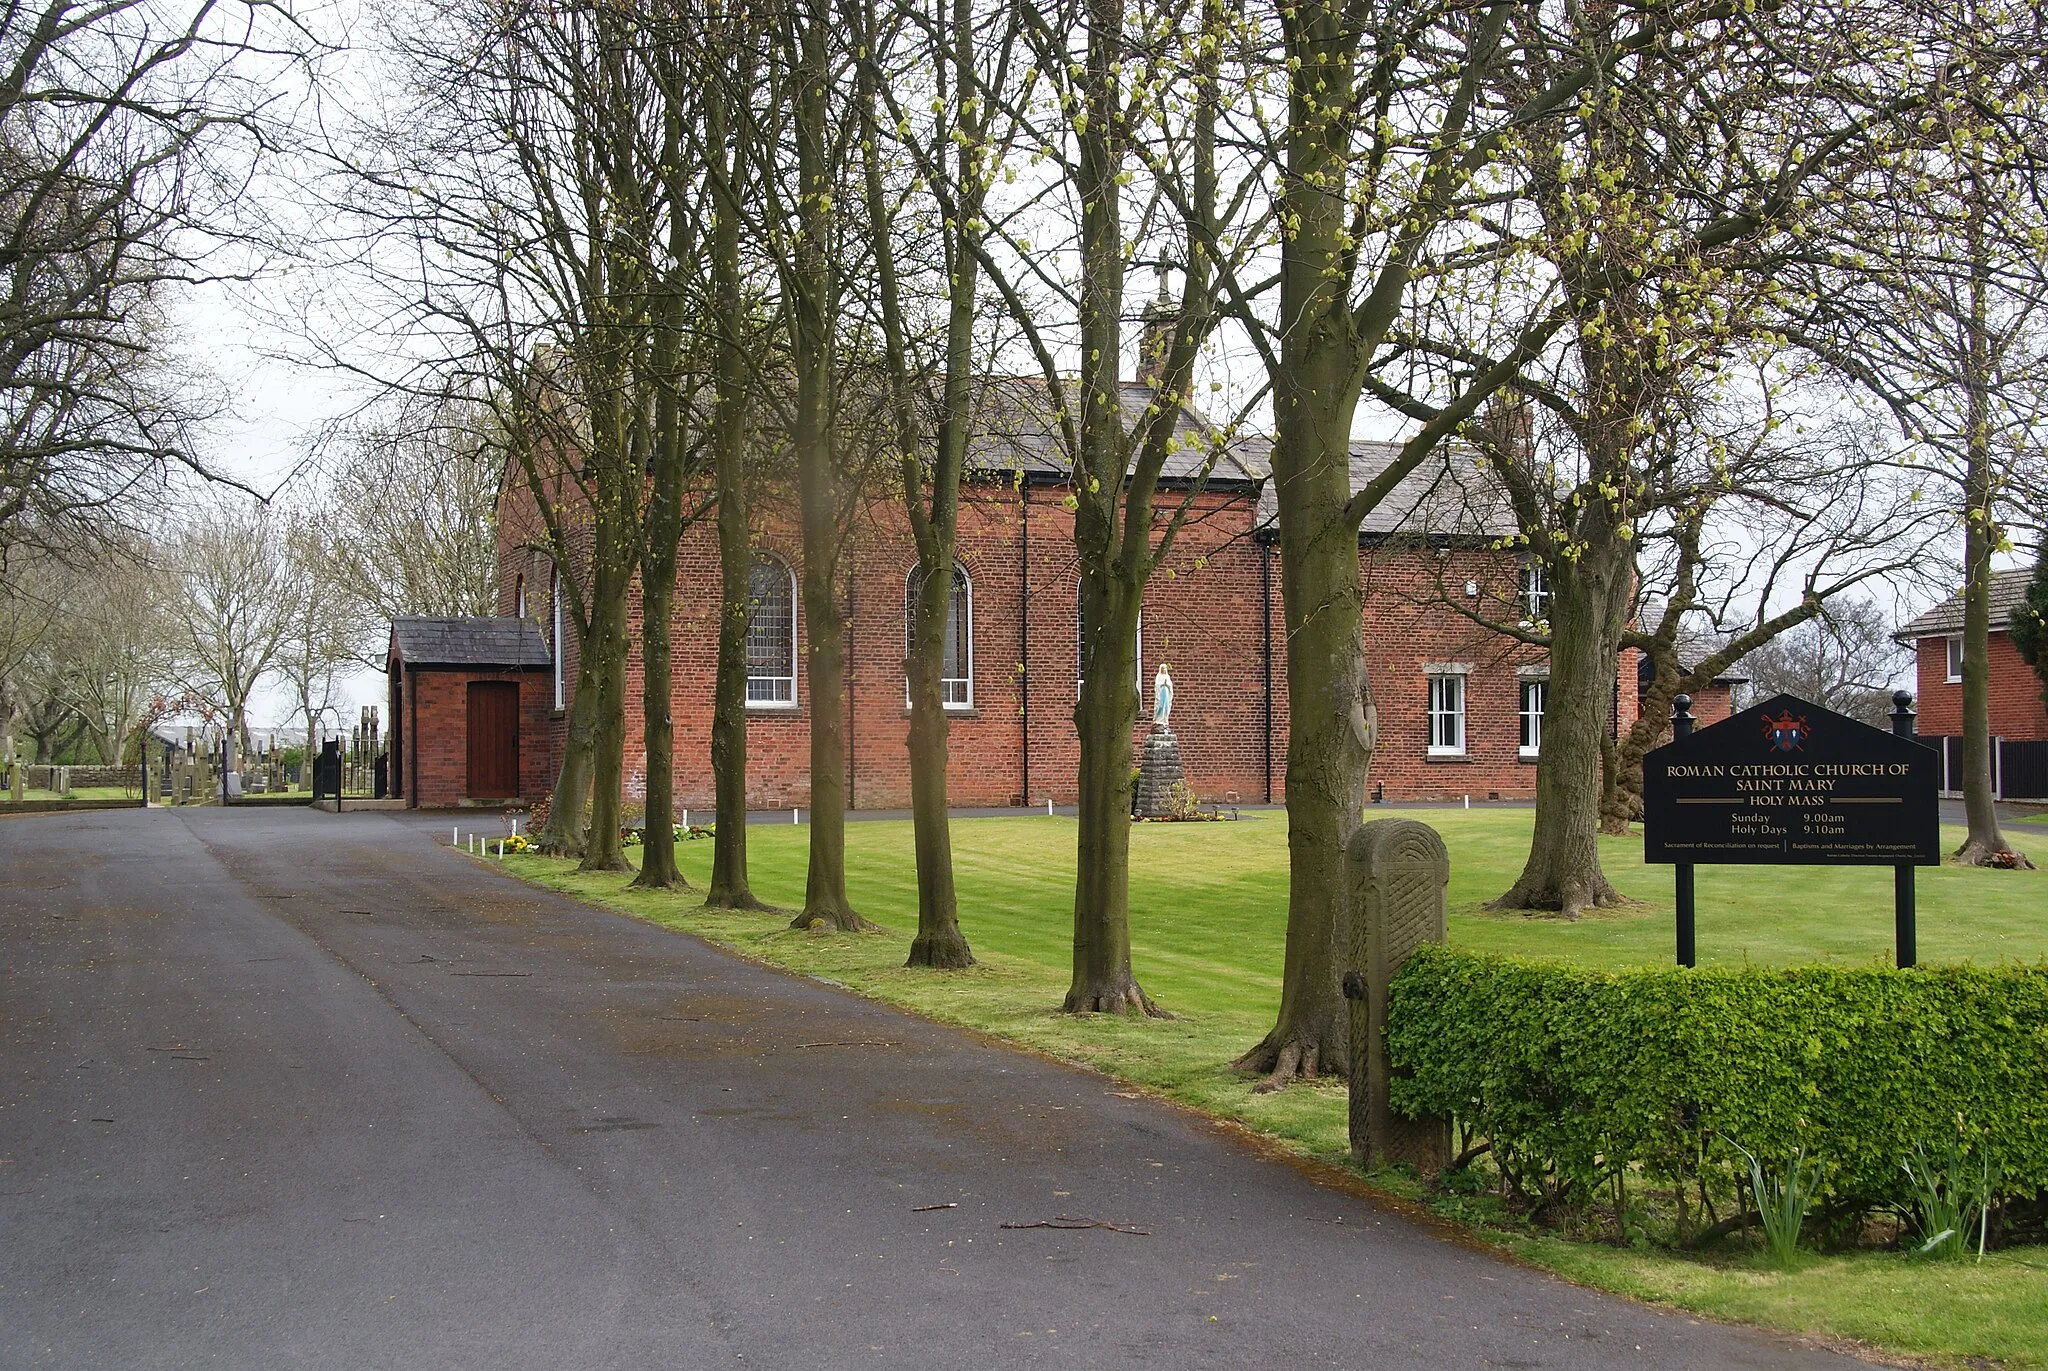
793,817
454,835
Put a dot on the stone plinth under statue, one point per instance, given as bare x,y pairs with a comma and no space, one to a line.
1159,772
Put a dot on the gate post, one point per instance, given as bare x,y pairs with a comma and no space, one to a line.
1396,870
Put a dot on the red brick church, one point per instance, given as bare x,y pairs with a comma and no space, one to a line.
1460,706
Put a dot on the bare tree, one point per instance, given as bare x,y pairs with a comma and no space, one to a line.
128,132
84,644
231,605
325,628
734,345
1845,659
407,518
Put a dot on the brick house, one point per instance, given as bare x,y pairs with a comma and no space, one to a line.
1460,706
2019,722
469,704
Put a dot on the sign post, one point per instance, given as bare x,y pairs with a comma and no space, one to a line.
1789,783
1681,727
1905,934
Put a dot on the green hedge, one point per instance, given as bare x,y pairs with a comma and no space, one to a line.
1573,1074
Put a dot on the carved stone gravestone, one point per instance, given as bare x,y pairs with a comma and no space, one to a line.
1397,869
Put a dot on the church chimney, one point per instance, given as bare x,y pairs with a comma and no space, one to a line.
1155,338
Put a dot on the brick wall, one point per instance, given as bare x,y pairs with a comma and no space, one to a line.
436,744
2016,709
1206,613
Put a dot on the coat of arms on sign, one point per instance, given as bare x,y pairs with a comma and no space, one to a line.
1787,733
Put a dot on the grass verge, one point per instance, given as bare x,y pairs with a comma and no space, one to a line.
1208,916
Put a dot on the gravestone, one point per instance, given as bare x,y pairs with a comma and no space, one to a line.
1158,772
18,769
1397,869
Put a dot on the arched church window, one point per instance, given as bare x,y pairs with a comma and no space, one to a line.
771,634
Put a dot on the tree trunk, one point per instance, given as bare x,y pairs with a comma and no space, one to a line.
1330,721
1332,728
1588,604
825,900
603,848
657,589
562,835
812,286
1984,844
939,943
1112,532
729,885
1105,715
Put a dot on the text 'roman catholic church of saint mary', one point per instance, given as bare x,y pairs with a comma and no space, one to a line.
1460,705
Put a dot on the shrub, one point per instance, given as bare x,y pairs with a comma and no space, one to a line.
1950,1197
1578,1076
1781,1202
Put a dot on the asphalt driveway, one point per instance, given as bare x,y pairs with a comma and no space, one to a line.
288,1089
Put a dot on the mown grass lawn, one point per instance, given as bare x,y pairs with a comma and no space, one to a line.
1208,914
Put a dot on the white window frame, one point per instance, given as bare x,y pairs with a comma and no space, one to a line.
555,633
1439,679
1137,654
1953,665
1532,720
956,693
1532,588
783,686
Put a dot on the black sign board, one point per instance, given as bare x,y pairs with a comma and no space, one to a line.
1789,783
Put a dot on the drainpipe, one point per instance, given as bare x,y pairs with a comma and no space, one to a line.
847,646
1024,631
1266,655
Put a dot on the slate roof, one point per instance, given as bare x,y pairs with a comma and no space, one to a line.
501,643
1448,493
1016,428
2008,589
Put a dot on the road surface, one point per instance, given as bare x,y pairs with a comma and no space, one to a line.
281,1089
